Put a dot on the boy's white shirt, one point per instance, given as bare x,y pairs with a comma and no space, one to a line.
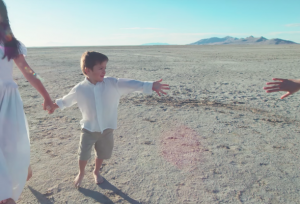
99,103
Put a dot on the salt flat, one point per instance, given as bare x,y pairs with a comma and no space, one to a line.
217,137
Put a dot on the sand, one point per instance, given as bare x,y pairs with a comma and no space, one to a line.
217,137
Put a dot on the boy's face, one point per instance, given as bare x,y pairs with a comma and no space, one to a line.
98,72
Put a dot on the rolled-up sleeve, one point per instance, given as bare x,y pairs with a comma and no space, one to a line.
68,100
126,86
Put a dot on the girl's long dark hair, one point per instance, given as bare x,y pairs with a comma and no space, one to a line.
11,44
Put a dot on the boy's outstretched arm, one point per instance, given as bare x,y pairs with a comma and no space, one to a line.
158,87
289,85
126,86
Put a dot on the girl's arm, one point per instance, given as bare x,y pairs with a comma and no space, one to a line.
30,75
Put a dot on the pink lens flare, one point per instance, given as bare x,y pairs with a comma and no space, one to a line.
180,147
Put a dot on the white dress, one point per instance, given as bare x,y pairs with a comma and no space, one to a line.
14,136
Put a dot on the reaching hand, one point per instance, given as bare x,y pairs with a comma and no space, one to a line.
8,201
289,85
158,87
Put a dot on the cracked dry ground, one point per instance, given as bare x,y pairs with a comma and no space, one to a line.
215,138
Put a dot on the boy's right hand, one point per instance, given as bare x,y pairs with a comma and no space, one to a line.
54,107
289,85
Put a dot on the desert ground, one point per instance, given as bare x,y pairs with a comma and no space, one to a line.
217,137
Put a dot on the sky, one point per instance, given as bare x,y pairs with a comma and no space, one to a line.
42,23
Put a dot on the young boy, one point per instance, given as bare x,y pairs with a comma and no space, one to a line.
98,97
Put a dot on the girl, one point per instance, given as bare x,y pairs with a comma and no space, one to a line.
14,137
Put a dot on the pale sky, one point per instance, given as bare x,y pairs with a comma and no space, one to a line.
134,22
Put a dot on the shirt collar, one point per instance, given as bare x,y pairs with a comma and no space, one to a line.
89,83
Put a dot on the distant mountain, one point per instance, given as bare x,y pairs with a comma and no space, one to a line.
156,44
249,41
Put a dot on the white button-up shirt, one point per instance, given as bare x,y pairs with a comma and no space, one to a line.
99,103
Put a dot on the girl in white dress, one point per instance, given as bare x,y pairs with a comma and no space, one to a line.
14,136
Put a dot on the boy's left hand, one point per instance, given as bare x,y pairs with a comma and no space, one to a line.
48,105
158,87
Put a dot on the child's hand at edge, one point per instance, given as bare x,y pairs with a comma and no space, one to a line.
8,201
289,85
158,87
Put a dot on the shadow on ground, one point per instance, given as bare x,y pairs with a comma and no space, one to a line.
40,197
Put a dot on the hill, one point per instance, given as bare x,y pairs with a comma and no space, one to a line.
156,44
249,40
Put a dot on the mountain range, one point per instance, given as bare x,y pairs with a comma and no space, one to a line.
156,43
236,41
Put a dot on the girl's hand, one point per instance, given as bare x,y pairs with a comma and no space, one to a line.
29,175
289,85
48,105
158,87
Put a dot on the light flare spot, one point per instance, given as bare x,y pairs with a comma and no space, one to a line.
180,146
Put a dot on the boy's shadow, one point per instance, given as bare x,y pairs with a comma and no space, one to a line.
102,198
89,193
40,197
99,197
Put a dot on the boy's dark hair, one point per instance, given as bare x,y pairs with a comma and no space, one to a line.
90,58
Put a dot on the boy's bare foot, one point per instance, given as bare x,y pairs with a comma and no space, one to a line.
29,175
98,177
78,180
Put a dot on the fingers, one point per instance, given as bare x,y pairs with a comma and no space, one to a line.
159,81
271,87
278,79
158,93
286,95
271,83
163,92
274,90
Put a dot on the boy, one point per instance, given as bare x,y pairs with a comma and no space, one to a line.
98,98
